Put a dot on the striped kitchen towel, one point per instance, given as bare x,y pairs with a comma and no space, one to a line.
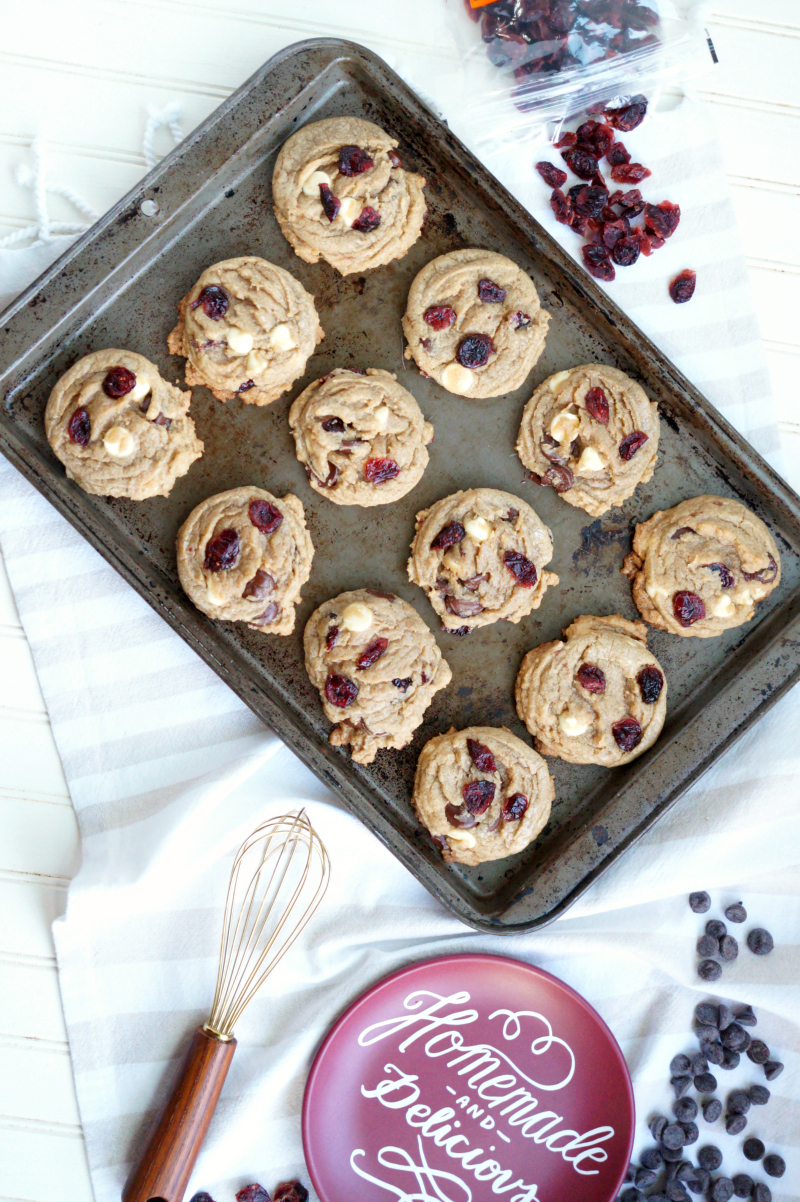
168,771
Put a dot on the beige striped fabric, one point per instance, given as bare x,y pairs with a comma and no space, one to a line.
168,771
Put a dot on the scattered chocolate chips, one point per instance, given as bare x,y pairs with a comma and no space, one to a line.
760,941
679,1064
753,1148
260,586
707,945
735,1124
739,1101
651,1158
672,1137
459,816
709,970
713,1051
213,300
728,949
79,428
657,1126
691,1133
721,1190
744,1015
774,1165
705,1082
759,1095
680,1083
712,1110
742,1185
709,1158
685,1110
730,1059
762,1193
773,1069
758,1052
700,902
463,607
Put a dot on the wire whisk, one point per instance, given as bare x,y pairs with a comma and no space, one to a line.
278,879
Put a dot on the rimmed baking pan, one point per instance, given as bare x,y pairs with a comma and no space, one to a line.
211,200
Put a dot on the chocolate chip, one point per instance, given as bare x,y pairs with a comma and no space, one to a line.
725,1017
705,1082
758,1052
679,1065
630,1195
684,1109
700,902
651,1158
721,1190
644,1178
675,1191
672,1154
760,941
707,945
712,1110
657,1126
728,948
735,1124
762,1193
774,1165
691,1133
734,1037
716,928
680,1085
698,1064
707,1014
739,1101
742,1185
759,1095
753,1148
730,1059
709,1157
713,1051
709,970
672,1137
699,1181
745,1016
685,1171
736,913
773,1069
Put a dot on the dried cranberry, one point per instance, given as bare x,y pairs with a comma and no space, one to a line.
580,162
459,816
630,173
333,425
631,202
551,175
222,551
763,575
252,1193
561,206
403,685
514,807
79,428
613,231
474,350
340,690
264,516
627,734
520,321
248,384
448,536
378,471
558,476
650,682
439,317
521,568
598,262
662,218
688,608
567,139
682,287
478,796
463,607
592,678
597,405
331,637
371,654
118,382
354,161
491,293
269,615
213,300
626,251
617,154
330,203
460,631
726,577
368,219
590,201
596,137
629,115
290,1191
630,445
481,756
260,586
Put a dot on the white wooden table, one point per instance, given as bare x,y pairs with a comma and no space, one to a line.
81,75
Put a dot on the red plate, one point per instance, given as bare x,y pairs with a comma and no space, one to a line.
469,1079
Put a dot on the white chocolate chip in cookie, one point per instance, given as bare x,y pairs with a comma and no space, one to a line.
311,185
281,338
119,442
255,363
457,379
564,426
139,390
357,617
462,839
574,724
723,607
590,461
478,529
240,342
349,210
215,590
557,379
382,416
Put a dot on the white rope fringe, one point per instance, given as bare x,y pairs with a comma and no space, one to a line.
166,118
44,230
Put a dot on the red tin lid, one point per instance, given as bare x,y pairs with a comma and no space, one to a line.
469,1079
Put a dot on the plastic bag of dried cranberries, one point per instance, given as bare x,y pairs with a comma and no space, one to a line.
530,65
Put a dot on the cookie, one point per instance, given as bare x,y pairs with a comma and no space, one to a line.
700,569
247,329
473,321
360,436
479,555
600,697
341,194
592,434
377,667
244,555
119,428
482,793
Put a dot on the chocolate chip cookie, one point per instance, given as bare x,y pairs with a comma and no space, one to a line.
482,793
377,667
119,428
360,436
473,321
480,555
244,555
700,569
599,697
341,194
592,434
247,329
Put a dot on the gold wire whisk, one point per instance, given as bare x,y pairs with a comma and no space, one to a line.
278,879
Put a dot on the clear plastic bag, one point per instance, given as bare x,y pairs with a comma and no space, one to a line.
531,65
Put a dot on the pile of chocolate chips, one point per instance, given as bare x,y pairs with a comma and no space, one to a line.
717,945
287,1191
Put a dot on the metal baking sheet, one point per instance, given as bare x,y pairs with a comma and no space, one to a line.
119,286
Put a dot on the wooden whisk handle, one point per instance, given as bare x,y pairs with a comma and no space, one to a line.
166,1164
